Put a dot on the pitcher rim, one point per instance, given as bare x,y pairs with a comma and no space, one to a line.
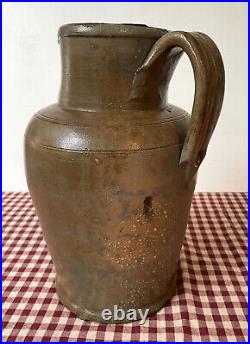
110,30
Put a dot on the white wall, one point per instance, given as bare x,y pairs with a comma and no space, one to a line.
31,77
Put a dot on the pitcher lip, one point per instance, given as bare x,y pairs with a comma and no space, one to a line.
110,30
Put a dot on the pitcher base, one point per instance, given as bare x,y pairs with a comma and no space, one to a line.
96,316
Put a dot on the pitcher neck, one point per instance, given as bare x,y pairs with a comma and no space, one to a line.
98,72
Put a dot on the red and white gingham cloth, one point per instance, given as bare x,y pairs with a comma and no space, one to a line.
211,300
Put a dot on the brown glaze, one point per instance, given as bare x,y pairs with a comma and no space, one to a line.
112,167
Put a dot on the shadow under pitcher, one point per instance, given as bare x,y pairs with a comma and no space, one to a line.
111,168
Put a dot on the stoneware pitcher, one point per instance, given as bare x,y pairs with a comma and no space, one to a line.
111,168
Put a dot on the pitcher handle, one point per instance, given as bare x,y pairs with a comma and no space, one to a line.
209,77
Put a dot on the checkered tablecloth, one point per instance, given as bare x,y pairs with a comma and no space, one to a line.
210,303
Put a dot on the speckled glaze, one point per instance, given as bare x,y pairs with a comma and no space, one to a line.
112,166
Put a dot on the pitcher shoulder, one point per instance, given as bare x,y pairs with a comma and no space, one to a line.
80,130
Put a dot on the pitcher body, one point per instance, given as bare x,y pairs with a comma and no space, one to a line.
112,167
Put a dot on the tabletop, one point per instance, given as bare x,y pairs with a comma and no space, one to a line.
210,302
